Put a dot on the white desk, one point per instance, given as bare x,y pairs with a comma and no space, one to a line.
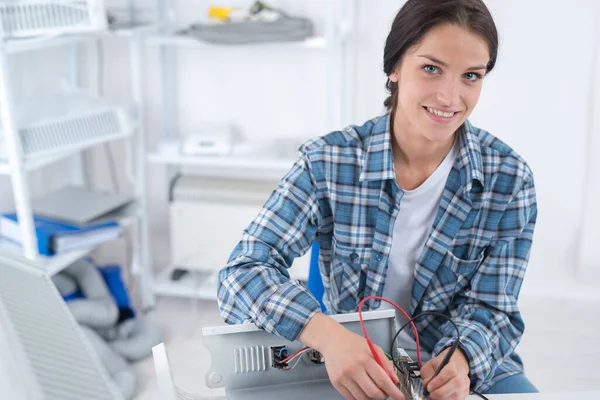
543,396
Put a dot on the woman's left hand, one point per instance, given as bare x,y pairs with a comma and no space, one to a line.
453,382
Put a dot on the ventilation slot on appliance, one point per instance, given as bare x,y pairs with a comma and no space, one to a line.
250,359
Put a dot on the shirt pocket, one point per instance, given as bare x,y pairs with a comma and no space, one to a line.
453,275
464,270
348,275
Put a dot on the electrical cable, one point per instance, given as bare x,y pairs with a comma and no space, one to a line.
390,355
370,342
479,394
296,354
448,354
296,363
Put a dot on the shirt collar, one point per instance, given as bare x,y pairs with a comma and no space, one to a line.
378,163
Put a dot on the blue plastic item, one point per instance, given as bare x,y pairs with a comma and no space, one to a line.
112,276
315,282
74,296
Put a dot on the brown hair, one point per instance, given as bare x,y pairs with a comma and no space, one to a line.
417,17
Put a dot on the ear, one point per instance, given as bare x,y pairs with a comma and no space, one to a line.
394,77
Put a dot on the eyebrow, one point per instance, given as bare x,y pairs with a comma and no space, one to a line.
443,64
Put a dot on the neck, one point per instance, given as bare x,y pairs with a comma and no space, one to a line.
413,150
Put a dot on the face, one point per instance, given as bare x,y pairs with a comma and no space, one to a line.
439,82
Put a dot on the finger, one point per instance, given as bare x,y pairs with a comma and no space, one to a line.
355,390
427,371
383,381
393,373
446,374
441,394
369,387
345,393
457,388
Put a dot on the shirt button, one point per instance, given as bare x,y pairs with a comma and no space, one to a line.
354,256
378,257
391,209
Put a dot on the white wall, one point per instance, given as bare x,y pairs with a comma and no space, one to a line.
537,100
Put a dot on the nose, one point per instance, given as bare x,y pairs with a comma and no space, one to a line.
448,93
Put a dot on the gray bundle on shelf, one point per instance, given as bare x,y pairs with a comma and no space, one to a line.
281,30
261,24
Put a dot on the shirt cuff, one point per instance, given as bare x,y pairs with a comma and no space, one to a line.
287,311
477,348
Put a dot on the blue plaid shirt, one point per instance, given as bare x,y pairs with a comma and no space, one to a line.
342,192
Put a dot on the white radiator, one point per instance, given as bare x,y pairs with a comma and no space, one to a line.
207,217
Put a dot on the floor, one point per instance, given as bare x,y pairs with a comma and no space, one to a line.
561,346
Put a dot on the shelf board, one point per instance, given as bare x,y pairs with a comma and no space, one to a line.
54,264
38,43
194,285
221,161
269,169
202,284
181,40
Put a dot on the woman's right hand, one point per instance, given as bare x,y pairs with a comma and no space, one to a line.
348,360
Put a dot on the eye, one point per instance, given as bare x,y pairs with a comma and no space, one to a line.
472,76
431,69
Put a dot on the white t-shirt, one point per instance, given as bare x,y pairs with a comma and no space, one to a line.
413,224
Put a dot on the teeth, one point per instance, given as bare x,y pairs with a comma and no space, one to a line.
440,113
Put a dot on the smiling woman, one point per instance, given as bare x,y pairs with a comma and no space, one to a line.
440,80
418,206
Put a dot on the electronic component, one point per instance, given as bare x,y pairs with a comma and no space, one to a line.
242,359
315,357
278,354
409,375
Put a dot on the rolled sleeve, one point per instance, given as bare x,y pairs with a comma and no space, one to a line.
255,286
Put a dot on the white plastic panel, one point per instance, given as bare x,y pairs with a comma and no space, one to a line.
48,340
240,381
39,17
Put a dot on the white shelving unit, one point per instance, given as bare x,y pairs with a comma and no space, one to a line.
18,162
333,41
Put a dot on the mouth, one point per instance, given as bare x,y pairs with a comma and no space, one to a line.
441,116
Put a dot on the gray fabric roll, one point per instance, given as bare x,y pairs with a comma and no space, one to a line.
135,339
97,313
281,30
88,279
98,310
118,369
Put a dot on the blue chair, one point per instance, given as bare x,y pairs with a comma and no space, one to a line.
315,282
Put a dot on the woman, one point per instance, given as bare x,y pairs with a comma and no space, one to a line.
418,206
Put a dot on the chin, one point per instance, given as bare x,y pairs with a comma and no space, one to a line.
438,134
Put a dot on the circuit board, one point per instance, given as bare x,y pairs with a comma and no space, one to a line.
409,375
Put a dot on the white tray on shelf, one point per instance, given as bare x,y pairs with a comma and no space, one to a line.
50,17
65,122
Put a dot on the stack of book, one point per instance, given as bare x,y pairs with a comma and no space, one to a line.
69,219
